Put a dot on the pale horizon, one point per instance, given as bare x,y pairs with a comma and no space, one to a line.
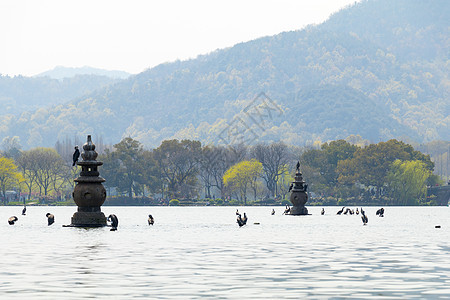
133,36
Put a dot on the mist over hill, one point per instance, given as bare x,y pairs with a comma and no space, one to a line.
20,95
379,69
61,72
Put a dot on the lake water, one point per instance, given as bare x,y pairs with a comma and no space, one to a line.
200,252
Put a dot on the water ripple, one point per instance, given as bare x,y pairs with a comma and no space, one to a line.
200,252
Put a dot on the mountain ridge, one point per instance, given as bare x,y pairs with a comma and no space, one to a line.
61,72
325,77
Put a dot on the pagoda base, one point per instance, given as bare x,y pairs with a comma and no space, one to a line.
298,211
88,219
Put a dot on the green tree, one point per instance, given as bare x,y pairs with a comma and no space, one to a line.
110,169
334,152
151,173
407,181
129,166
321,166
370,165
177,163
9,176
242,176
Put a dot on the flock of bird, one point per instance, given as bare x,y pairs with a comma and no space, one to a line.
364,218
50,218
241,219
112,219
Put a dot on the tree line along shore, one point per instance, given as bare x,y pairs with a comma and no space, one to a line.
185,172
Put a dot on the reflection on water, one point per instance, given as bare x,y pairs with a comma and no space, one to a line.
194,252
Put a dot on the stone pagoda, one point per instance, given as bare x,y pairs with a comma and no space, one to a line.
89,193
299,196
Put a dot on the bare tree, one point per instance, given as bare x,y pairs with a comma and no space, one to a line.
273,157
178,164
48,166
27,165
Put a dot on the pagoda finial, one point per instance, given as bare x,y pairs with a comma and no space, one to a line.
89,153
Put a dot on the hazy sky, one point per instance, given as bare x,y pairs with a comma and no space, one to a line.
133,35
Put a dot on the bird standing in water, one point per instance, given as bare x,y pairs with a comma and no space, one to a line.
273,212
50,218
380,212
12,220
24,210
151,221
242,220
114,222
323,211
364,217
75,156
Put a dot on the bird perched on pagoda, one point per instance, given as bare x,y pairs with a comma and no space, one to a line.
75,156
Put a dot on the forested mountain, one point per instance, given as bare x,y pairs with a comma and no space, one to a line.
21,94
379,69
61,72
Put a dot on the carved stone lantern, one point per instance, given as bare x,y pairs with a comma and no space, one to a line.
299,196
89,193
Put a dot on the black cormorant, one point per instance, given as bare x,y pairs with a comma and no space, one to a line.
151,221
114,222
364,217
242,220
75,156
12,220
50,218
380,212
287,210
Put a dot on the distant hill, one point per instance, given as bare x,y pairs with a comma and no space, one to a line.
377,68
21,94
61,72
